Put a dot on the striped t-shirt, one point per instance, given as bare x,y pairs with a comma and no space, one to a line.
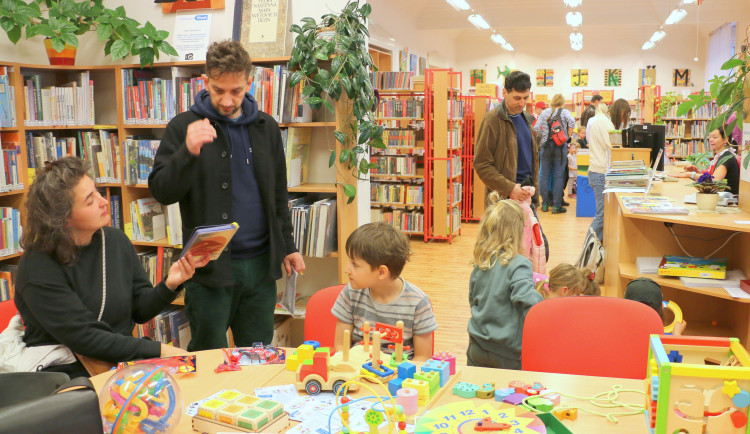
413,307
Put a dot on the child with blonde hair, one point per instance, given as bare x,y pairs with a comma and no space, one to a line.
566,280
501,288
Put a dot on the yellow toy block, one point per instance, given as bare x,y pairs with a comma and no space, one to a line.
304,352
210,408
228,413
230,395
422,387
247,400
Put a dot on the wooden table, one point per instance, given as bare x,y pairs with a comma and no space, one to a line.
205,382
708,311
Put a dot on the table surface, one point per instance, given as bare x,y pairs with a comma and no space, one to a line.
205,382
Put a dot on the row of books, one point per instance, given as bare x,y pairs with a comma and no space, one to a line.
11,179
454,166
394,165
698,128
418,150
115,211
151,221
314,225
148,99
401,108
170,327
403,138
10,231
270,88
297,150
7,281
627,174
675,129
652,205
455,137
404,220
708,111
456,189
392,79
685,148
7,100
396,193
157,263
455,109
139,159
69,104
453,220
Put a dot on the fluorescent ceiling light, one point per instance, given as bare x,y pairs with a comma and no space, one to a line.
478,22
576,38
508,47
572,3
574,19
658,36
648,45
676,16
687,2
497,39
459,4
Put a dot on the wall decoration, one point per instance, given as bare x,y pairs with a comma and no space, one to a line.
613,77
545,77
184,5
477,76
403,60
579,77
647,77
263,27
681,78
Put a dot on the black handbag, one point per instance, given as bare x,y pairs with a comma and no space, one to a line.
48,402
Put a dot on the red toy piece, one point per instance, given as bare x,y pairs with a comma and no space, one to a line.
487,424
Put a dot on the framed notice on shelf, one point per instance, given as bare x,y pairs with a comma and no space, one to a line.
262,27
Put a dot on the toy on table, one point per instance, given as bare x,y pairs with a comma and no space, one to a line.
231,410
707,392
259,354
487,424
375,367
231,362
319,373
394,414
671,305
140,399
173,364
462,417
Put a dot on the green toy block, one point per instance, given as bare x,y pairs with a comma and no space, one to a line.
394,363
432,378
465,390
541,404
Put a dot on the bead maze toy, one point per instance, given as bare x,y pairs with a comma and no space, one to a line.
234,411
708,391
375,367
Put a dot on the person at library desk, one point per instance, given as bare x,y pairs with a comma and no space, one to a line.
501,288
80,286
590,110
725,164
375,292
648,292
600,154
553,157
223,161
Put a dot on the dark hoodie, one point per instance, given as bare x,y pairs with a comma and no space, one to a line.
247,208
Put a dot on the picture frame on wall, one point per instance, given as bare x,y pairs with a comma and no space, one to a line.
261,27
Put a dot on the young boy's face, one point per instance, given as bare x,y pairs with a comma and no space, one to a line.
361,274
582,133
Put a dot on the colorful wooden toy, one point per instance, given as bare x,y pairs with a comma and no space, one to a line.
319,374
465,390
244,413
487,424
439,366
568,413
487,391
447,356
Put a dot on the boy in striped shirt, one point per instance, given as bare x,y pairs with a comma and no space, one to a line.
375,292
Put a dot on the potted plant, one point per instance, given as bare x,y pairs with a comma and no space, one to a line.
331,57
708,188
63,21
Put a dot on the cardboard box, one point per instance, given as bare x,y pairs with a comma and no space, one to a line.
282,331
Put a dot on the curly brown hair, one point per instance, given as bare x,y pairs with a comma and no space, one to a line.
227,56
49,206
379,244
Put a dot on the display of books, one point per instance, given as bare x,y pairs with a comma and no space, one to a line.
210,240
689,266
651,205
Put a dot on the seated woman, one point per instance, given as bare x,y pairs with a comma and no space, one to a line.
725,164
80,283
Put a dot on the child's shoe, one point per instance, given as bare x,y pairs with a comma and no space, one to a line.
545,207
559,210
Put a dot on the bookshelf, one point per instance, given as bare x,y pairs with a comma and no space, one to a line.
115,112
685,135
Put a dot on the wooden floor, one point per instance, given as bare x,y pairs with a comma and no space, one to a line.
442,270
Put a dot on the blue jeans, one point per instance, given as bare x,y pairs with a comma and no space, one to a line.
553,164
596,180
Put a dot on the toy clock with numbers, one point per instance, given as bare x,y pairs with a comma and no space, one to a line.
464,417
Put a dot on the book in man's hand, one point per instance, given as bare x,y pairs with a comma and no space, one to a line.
210,240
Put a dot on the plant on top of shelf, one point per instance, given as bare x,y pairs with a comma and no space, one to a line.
340,38
665,103
64,20
728,92
707,184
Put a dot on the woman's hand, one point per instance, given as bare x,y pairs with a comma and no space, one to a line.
184,269
692,168
168,350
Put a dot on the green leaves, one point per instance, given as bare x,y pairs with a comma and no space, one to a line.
119,49
731,63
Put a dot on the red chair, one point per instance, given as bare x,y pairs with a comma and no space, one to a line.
320,324
600,336
7,311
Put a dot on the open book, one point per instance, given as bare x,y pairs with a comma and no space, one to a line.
210,240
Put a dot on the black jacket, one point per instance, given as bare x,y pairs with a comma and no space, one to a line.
203,187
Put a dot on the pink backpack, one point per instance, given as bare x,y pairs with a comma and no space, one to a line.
533,243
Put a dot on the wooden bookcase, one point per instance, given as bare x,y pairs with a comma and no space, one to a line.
686,135
110,116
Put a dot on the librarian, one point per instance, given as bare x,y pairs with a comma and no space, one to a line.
223,161
80,285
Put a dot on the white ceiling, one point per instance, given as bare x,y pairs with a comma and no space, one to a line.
609,21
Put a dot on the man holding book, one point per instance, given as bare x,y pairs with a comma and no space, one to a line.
223,161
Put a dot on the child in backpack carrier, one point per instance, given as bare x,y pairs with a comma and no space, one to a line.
566,280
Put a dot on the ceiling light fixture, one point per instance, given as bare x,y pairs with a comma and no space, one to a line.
508,47
459,4
658,36
676,16
574,19
572,3
576,41
478,22
688,2
499,40
648,45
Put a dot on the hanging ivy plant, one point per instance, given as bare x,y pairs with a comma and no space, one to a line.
333,66
665,104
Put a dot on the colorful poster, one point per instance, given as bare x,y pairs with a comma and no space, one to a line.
478,76
647,77
613,77
545,77
681,78
579,77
